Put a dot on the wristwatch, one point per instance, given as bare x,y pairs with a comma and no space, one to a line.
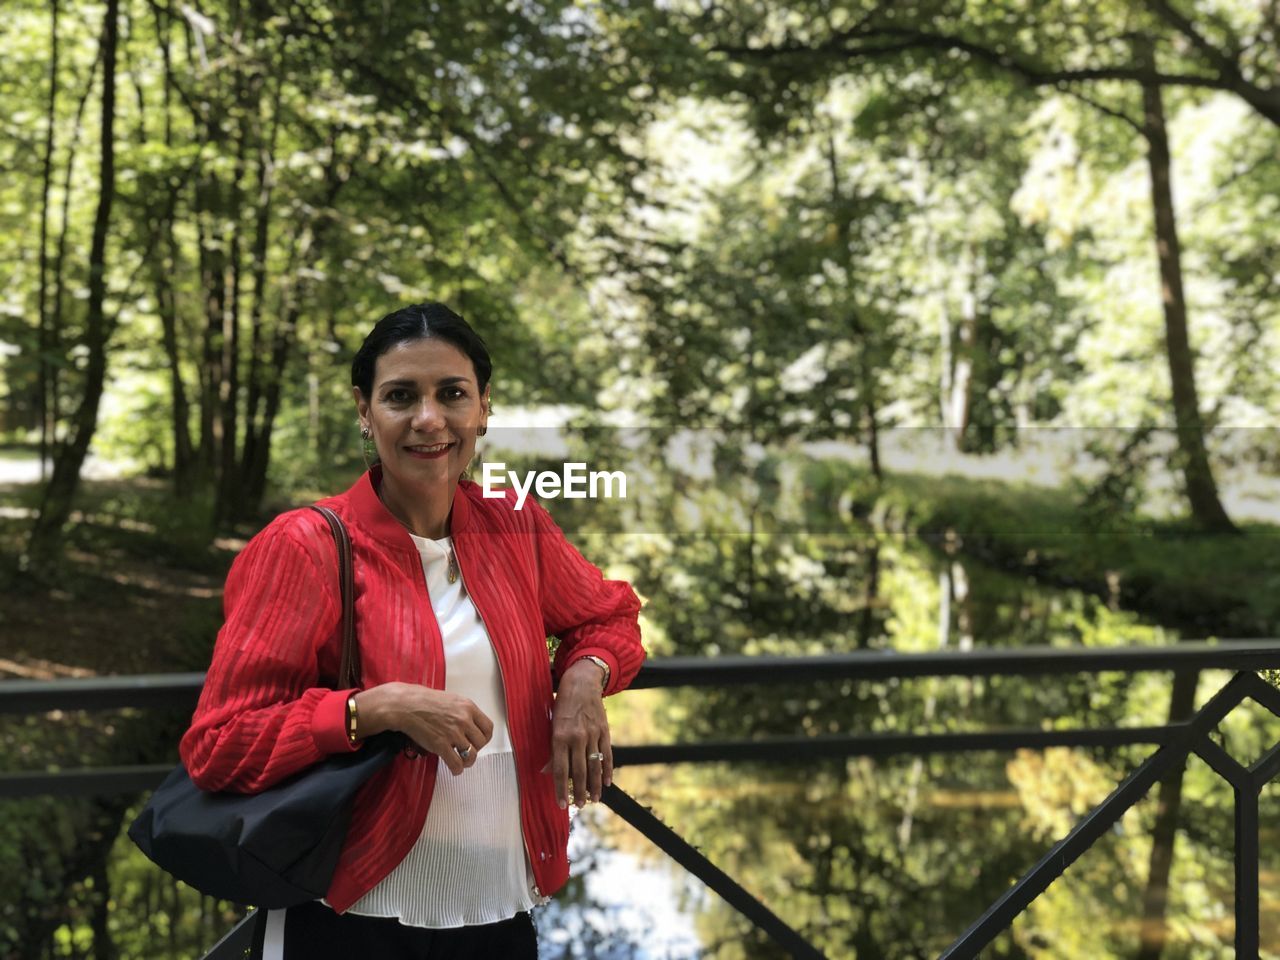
604,684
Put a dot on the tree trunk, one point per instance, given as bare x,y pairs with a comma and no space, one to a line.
960,378
257,457
946,352
239,450
235,436
54,332
213,287
96,831
55,506
869,625
1165,831
266,183
229,482
44,349
1202,491
870,415
165,269
307,253
859,333
104,947
166,299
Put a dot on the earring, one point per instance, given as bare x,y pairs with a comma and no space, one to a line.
482,431
366,433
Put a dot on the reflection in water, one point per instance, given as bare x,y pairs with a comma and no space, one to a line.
891,858
895,858
620,904
953,585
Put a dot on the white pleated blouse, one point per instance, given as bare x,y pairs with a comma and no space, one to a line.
469,865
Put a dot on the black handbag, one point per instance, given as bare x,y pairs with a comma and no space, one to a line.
277,848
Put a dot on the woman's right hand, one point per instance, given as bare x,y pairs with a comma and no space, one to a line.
437,722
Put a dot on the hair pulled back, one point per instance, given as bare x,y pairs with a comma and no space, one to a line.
418,322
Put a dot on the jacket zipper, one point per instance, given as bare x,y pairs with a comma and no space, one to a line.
506,700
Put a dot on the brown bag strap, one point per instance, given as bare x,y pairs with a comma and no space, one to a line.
349,671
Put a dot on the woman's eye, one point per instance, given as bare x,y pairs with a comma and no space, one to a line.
397,396
454,393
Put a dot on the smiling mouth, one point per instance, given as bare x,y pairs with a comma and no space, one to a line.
429,449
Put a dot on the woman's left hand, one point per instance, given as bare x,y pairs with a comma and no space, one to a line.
579,728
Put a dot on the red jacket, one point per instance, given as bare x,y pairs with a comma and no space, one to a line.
265,712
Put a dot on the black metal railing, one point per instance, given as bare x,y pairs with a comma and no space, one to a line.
1175,742
1186,738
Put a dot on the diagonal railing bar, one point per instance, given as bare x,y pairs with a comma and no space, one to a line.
1102,818
238,942
1267,766
676,847
1224,764
1262,692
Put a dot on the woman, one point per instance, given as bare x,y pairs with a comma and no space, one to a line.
455,596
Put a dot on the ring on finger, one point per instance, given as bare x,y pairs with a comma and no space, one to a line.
596,756
464,752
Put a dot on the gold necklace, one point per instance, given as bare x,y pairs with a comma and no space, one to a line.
453,572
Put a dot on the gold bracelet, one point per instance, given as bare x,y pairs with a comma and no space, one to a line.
353,717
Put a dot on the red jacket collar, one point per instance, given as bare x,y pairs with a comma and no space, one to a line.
370,512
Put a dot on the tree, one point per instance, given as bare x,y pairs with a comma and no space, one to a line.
55,505
1040,44
1201,489
806,47
289,179
43,345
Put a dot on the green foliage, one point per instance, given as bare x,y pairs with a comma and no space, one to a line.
921,234
777,222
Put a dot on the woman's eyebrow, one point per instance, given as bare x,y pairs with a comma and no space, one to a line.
444,382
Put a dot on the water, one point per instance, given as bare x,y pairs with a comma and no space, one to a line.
621,901
895,858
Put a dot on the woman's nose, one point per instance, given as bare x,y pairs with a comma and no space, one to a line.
428,416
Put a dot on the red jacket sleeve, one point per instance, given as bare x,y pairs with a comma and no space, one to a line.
590,615
262,715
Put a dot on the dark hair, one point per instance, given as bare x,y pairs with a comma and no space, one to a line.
420,321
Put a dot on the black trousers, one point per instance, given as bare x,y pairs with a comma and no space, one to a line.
315,932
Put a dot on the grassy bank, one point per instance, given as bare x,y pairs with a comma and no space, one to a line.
1207,585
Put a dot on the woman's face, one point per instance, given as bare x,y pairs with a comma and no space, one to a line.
424,412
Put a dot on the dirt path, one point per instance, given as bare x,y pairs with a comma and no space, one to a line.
124,604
